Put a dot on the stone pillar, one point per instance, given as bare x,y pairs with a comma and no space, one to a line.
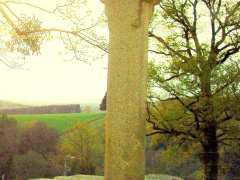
128,22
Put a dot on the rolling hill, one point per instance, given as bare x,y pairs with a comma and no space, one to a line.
10,105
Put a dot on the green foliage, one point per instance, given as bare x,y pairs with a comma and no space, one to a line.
30,165
85,145
178,161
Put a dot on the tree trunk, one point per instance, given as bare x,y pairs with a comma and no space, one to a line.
210,154
128,22
210,143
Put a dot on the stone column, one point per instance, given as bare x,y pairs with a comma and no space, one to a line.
128,22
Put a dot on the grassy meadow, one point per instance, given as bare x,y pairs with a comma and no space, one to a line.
60,122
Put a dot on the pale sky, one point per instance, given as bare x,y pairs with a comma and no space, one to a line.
49,78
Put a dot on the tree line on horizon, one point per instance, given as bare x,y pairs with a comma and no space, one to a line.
50,109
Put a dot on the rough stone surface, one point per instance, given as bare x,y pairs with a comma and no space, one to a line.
85,177
128,22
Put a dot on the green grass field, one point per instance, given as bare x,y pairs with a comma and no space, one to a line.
61,122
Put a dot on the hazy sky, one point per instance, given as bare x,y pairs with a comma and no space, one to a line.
48,79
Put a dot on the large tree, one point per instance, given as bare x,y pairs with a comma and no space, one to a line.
198,67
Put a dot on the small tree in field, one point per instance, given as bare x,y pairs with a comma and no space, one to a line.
199,72
87,109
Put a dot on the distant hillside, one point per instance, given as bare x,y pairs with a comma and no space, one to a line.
51,109
10,105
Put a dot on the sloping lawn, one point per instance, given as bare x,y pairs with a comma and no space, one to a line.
60,122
